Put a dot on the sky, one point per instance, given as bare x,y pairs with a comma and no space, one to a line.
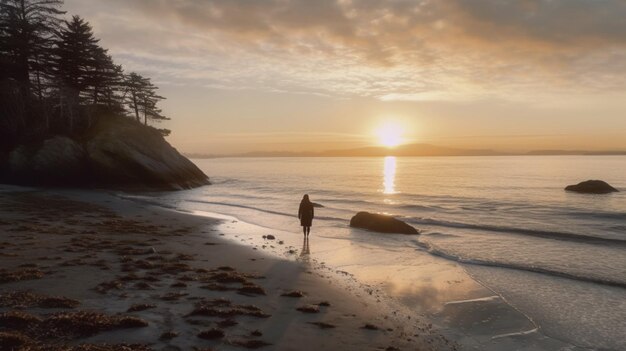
294,75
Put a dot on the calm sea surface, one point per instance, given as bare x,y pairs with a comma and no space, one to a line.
507,220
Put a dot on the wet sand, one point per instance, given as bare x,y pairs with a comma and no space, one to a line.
79,269
423,293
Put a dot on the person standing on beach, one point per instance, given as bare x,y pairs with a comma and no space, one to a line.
306,214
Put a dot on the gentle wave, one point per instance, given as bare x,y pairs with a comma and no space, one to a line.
442,253
360,204
224,181
598,215
523,231
150,200
566,236
437,251
260,209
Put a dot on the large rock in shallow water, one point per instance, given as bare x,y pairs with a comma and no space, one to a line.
381,223
592,187
123,152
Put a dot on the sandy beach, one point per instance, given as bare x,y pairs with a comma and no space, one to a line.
459,166
87,268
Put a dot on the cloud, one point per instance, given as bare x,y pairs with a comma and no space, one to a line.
397,49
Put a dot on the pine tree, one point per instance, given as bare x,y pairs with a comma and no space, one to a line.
61,64
142,100
76,51
27,32
28,28
149,102
104,80
135,86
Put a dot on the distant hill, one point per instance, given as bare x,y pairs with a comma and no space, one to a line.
574,152
409,150
373,151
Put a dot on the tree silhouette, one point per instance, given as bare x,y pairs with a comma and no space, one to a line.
75,51
55,78
135,85
28,29
142,98
27,32
105,80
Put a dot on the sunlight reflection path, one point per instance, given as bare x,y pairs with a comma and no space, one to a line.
389,175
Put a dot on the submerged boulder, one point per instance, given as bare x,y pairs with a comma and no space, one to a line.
592,187
381,223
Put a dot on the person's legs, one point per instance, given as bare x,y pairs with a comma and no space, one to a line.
308,230
304,230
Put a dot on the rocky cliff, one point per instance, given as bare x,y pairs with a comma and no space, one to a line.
116,152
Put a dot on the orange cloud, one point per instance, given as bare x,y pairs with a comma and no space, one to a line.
442,49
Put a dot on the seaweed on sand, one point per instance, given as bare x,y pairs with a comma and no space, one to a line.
140,307
7,276
83,323
66,324
309,309
225,309
25,299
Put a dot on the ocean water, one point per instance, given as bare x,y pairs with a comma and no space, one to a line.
558,257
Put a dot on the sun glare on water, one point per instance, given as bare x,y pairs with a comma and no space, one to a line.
389,134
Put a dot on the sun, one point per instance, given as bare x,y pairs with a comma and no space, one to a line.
389,134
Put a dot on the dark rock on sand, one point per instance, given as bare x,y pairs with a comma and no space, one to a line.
381,223
591,187
114,152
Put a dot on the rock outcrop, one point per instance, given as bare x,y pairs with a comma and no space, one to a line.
115,152
592,187
130,153
381,223
58,160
